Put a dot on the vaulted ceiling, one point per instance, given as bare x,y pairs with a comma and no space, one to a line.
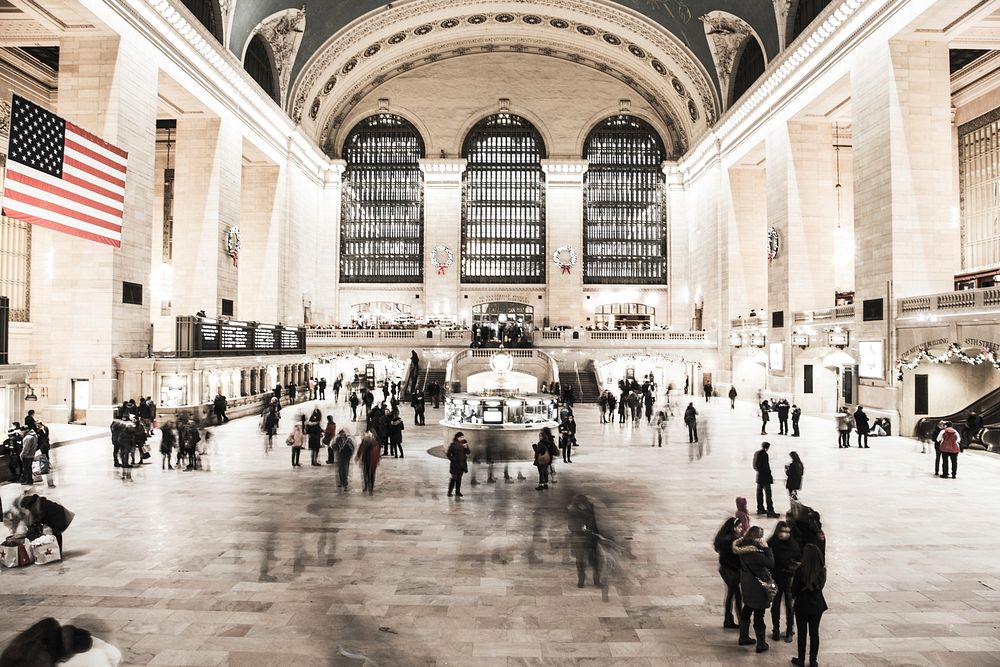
324,18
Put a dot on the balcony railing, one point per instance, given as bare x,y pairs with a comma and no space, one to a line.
835,314
986,298
540,338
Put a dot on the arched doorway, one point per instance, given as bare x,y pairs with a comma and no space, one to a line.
506,321
624,316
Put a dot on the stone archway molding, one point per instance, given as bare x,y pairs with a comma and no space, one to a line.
415,33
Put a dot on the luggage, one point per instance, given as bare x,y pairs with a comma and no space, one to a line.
46,550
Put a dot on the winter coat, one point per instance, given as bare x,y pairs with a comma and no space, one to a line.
732,392
861,422
947,441
458,454
29,443
762,464
45,644
793,474
843,422
806,600
396,430
755,566
369,452
729,563
787,555
315,431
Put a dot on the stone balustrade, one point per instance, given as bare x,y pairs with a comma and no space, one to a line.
318,337
974,300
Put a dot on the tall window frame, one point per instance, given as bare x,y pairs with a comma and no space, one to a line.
979,191
625,215
382,206
503,202
259,64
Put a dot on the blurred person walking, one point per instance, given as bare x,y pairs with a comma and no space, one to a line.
809,603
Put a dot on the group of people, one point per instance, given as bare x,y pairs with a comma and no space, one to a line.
860,422
27,450
634,402
784,572
783,410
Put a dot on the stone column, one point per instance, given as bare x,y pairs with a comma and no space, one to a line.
206,204
443,226
679,317
905,241
327,296
261,234
107,86
564,227
801,207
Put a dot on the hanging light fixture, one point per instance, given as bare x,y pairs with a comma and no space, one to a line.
842,243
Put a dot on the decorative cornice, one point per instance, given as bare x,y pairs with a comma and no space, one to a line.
442,165
726,34
4,117
283,32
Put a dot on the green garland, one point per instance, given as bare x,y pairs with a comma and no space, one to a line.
954,350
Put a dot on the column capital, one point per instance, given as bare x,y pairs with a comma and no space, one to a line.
675,177
334,172
564,171
443,171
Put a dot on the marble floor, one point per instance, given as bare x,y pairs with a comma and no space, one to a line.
254,563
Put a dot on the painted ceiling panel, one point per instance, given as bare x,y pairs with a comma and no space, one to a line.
681,17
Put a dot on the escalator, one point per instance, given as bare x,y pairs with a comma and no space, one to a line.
988,408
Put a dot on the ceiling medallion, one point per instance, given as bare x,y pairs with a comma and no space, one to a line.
504,18
449,23
423,30
330,83
611,39
531,19
476,19
559,23
397,38
693,110
636,51
659,67
372,50
679,87
349,65
586,30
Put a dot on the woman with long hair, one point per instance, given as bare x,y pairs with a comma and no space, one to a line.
294,441
787,554
314,428
793,475
729,570
807,592
756,561
369,454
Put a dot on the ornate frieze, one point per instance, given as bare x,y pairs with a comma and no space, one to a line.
283,31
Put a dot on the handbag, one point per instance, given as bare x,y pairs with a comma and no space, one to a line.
544,458
770,588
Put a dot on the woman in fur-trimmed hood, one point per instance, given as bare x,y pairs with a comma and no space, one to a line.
756,562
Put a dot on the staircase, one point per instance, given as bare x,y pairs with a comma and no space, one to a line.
585,389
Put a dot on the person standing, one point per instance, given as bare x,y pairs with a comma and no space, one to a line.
862,425
756,561
783,417
809,604
419,405
219,408
145,415
729,570
948,444
396,427
973,425
329,433
843,429
691,419
582,524
269,423
415,365
787,555
168,440
648,400
322,389
793,475
314,431
337,385
29,445
12,445
765,409
732,397
29,420
762,464
312,385
344,444
369,454
796,414
543,458
708,391
458,456
602,405
565,441
294,441
368,398
354,401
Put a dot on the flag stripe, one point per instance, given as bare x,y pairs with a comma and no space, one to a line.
101,148
79,177
76,129
29,213
55,205
92,171
105,173
42,222
89,152
66,188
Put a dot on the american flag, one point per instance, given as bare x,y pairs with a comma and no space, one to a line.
62,177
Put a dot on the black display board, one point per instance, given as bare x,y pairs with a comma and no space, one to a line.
206,337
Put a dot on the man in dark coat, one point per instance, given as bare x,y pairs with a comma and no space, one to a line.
762,464
973,425
783,408
419,404
219,406
862,426
796,413
46,644
322,389
582,524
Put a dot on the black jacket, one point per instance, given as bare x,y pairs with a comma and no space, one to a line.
755,567
861,422
762,464
806,600
787,555
793,474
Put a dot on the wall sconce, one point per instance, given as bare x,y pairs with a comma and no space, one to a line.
839,339
735,340
800,339
758,339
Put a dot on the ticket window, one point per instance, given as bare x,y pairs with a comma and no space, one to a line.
173,391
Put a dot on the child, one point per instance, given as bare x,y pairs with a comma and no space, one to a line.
742,516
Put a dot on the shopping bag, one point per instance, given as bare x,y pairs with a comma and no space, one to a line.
9,556
15,553
36,471
46,550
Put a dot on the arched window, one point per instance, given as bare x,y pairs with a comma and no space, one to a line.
749,68
805,13
503,212
208,13
625,214
259,64
381,229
